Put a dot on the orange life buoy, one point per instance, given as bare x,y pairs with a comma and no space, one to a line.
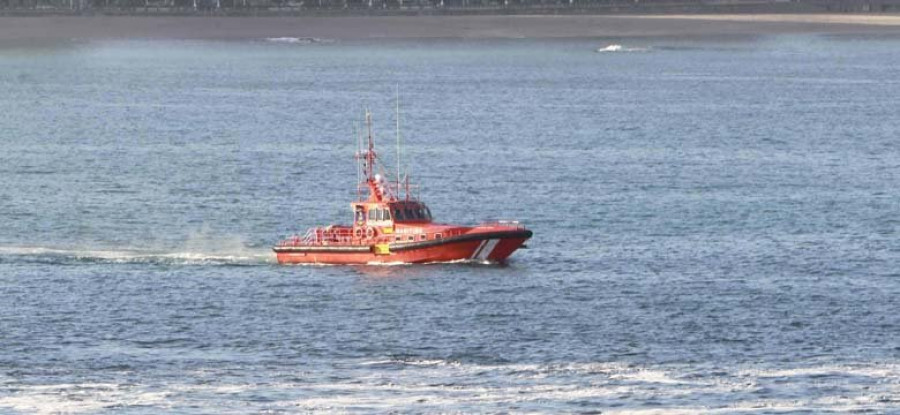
358,233
370,232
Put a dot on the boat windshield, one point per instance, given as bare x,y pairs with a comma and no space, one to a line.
411,212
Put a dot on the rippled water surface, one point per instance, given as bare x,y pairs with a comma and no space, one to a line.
716,226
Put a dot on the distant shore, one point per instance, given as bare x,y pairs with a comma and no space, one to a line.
46,28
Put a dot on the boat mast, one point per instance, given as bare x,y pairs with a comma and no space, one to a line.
376,193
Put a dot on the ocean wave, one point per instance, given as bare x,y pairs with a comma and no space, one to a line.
439,385
410,361
299,40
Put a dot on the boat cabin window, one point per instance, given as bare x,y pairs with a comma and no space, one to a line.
410,211
375,215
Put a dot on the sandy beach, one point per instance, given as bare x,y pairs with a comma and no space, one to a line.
46,28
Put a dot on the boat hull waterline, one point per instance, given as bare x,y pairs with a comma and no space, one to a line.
494,247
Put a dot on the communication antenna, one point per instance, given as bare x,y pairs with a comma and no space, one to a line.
357,132
370,153
398,141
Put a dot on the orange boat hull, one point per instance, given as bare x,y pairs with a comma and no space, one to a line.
491,247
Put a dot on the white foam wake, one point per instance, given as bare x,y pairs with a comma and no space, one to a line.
131,256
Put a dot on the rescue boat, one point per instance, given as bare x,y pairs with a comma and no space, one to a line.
392,228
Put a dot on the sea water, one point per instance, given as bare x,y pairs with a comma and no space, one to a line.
715,220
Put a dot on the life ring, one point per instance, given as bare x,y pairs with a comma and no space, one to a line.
370,232
358,233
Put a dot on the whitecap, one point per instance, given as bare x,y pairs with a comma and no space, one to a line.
298,40
619,48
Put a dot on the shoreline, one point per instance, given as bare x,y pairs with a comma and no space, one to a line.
104,27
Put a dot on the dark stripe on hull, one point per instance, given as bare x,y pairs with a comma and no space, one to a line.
461,238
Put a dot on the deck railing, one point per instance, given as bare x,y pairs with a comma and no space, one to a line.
504,223
322,235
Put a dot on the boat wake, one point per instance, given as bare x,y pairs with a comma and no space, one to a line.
52,255
621,49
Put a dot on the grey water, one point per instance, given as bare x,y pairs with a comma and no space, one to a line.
716,226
